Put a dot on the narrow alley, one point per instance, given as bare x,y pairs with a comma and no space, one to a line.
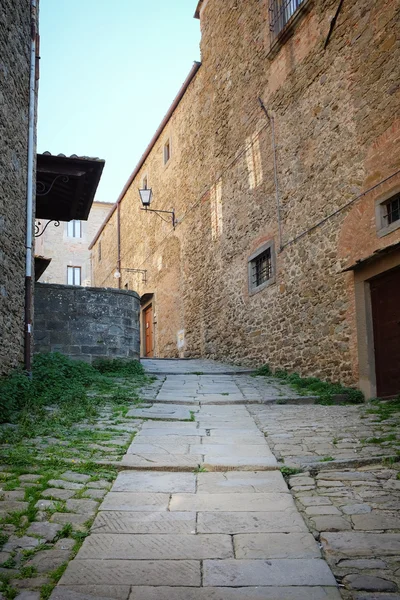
201,510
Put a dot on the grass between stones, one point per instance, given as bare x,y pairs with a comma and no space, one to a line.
59,424
312,386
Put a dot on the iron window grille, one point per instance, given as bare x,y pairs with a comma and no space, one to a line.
261,268
392,210
280,13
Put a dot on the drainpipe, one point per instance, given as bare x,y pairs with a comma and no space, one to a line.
277,193
29,190
119,244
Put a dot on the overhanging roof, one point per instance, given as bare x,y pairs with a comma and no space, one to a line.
174,105
66,186
41,264
362,262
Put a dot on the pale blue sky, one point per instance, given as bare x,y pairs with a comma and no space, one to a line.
109,71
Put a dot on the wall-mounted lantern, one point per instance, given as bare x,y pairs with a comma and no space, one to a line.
146,196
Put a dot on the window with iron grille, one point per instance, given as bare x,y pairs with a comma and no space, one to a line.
261,268
392,210
280,13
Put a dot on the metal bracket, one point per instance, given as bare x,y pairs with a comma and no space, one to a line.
42,189
39,224
142,271
168,212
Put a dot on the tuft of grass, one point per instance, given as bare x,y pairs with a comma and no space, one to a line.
327,459
314,386
200,469
196,373
264,371
288,471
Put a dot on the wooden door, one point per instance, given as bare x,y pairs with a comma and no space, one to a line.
385,299
148,330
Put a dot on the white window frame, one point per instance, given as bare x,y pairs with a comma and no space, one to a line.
74,228
74,275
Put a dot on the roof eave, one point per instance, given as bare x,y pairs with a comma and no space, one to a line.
196,66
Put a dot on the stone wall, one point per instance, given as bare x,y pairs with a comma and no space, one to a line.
86,323
14,105
334,113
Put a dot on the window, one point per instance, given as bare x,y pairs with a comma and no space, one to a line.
280,13
99,252
387,214
167,151
74,275
392,210
261,267
74,229
144,183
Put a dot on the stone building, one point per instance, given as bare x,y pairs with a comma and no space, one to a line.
281,159
16,20
67,247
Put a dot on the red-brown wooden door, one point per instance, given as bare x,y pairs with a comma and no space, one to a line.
385,300
148,330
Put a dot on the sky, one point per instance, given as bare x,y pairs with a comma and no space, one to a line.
109,70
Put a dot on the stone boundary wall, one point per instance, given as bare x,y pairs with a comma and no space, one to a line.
86,323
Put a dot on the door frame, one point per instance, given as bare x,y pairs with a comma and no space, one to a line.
364,319
146,302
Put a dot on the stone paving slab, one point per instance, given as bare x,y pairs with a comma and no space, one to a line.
221,463
275,545
160,462
128,481
156,547
175,428
231,450
163,412
234,482
235,503
91,592
250,439
351,543
132,501
132,572
286,521
284,572
150,438
243,593
137,448
144,522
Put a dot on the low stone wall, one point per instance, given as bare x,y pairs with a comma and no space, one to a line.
86,323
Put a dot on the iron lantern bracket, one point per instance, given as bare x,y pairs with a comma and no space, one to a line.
168,212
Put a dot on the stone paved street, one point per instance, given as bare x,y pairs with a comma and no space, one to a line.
202,511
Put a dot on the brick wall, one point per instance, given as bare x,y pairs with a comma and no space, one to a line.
86,323
334,113
14,104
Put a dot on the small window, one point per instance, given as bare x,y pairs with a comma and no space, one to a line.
262,268
144,183
280,13
99,252
391,210
74,229
387,214
167,151
74,275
